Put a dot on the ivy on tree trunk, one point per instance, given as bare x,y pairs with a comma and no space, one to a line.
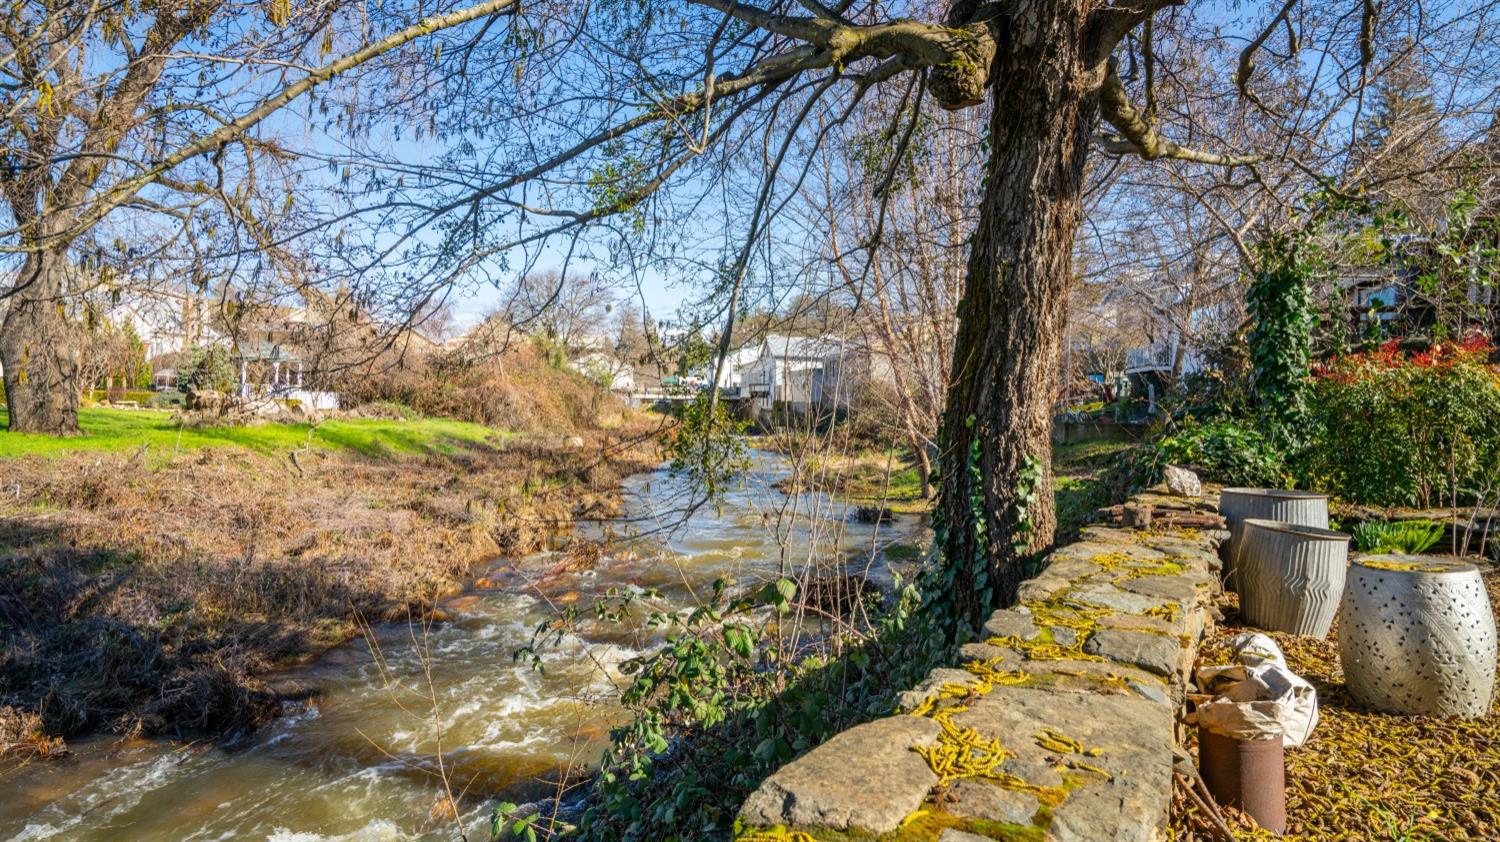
1281,334
996,508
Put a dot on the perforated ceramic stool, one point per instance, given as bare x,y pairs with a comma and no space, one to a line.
1417,636
1291,577
1303,508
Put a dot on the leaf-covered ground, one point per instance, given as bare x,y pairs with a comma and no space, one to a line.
1372,776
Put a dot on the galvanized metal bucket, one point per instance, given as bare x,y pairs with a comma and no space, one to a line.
1291,577
1304,508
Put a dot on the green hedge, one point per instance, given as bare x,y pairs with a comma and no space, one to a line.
1392,428
1226,452
140,396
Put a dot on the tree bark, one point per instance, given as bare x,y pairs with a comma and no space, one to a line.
1012,315
41,363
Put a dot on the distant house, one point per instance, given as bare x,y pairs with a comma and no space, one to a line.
273,372
849,370
167,321
788,372
1386,302
607,369
732,376
1153,369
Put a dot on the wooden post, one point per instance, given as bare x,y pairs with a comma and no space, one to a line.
1136,516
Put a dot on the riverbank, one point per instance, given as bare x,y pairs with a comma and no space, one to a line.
879,480
151,577
888,480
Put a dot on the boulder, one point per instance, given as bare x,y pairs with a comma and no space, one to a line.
833,787
1182,482
1156,653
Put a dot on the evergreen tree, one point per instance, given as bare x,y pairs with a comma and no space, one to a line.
1402,137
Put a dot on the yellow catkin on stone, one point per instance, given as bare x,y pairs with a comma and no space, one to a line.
775,834
1060,743
1404,566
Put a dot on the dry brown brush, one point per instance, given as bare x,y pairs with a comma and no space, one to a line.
150,597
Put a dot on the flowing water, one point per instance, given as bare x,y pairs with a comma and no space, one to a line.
360,761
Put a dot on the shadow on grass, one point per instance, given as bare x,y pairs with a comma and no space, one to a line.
384,443
1085,480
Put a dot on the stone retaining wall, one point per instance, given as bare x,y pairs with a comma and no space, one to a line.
1057,726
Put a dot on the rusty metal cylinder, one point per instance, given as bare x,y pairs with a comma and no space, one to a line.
1249,775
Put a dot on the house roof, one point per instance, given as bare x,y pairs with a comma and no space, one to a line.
801,347
255,351
740,356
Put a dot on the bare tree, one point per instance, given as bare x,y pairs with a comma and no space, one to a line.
655,135
903,294
677,134
573,310
116,109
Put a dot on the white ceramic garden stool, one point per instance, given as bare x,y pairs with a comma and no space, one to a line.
1291,576
1303,508
1417,636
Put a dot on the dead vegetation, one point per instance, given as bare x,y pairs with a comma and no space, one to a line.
147,598
1363,774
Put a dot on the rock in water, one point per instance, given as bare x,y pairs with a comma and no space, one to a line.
1182,482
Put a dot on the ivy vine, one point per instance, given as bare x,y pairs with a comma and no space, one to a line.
1281,335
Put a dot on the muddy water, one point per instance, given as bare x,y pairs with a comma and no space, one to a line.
361,761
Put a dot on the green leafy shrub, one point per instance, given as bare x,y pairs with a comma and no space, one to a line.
1401,536
207,367
140,396
1222,451
707,447
721,705
1395,428
166,400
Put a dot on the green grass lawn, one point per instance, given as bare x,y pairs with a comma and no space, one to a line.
123,429
1080,471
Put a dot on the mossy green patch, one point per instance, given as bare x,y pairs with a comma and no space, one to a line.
925,825
1131,567
903,552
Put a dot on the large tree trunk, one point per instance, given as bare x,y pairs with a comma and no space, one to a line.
998,416
41,364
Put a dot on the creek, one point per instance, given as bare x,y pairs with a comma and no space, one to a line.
359,761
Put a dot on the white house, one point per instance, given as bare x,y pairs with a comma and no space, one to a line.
167,321
606,369
732,376
1150,368
788,370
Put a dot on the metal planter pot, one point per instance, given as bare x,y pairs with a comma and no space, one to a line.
1249,775
1303,508
1418,636
1291,577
